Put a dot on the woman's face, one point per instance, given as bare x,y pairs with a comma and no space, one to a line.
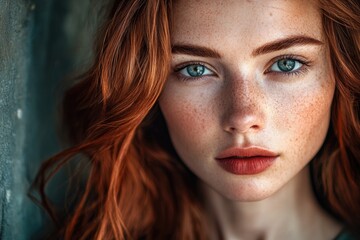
247,103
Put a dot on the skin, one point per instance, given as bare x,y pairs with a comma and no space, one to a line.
243,100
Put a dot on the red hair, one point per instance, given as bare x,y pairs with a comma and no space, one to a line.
136,186
337,169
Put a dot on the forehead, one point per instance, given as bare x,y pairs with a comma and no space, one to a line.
247,21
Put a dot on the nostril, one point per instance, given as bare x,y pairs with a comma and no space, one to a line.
255,127
232,129
243,130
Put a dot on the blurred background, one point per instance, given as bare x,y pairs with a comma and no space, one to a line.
43,45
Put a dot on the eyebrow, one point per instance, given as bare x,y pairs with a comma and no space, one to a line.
195,50
201,51
285,43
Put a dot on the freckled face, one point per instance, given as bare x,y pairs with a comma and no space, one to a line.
249,90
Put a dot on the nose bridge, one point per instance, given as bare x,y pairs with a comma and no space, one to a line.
242,92
243,102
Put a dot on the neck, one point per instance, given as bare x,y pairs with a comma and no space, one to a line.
290,213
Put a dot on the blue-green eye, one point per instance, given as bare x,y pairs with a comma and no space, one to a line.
286,65
195,70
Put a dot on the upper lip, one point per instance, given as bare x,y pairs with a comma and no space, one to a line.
237,152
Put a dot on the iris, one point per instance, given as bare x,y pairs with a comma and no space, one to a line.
195,70
286,65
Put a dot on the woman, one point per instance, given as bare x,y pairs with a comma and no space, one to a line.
218,120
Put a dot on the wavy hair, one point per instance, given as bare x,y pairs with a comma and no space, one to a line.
337,168
136,187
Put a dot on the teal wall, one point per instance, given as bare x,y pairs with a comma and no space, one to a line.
42,43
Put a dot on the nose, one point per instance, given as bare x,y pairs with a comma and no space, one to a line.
243,106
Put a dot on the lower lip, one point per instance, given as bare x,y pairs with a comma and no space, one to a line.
246,166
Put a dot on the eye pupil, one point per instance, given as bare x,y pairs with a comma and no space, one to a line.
286,65
195,70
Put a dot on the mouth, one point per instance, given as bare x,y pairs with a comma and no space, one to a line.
246,161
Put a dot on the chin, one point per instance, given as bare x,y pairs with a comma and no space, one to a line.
247,192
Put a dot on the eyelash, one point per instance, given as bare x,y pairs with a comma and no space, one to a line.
187,64
305,66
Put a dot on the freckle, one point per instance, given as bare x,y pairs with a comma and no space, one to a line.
270,14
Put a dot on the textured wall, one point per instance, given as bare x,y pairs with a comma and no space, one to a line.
41,44
14,68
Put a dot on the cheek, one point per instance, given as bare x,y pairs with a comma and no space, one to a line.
192,119
306,117
182,115
187,120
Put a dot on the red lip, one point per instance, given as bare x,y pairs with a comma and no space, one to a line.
246,161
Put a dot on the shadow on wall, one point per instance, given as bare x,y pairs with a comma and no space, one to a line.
42,44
